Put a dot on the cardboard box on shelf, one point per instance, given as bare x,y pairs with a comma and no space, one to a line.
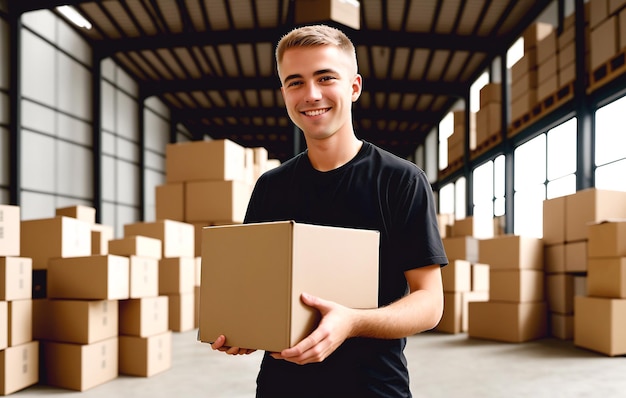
19,367
511,252
604,42
75,321
490,93
607,239
599,324
93,277
177,237
554,259
576,256
285,255
16,278
554,220
606,277
144,317
204,160
57,237
346,12
145,356
536,32
591,205
79,367
10,230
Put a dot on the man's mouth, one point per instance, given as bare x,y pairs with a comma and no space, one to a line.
316,112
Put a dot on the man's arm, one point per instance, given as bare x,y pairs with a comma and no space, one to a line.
416,312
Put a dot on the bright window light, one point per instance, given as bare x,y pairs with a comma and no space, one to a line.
74,17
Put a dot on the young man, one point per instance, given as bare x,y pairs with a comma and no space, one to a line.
343,181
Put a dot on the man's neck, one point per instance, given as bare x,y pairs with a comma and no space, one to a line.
333,153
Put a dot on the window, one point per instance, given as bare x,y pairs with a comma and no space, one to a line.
529,187
561,166
610,145
446,128
488,194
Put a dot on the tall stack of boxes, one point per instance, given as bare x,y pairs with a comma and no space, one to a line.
516,309
565,237
77,321
524,72
19,352
547,66
464,279
177,267
600,323
489,116
456,141
607,24
145,340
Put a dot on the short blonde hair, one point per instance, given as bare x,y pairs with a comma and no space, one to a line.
316,35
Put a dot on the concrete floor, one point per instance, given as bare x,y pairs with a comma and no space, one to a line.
441,365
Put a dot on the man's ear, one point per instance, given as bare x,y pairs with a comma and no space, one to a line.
357,87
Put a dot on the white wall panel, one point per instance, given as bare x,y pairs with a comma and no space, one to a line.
108,178
157,106
4,156
74,170
36,205
107,107
107,69
4,54
127,150
37,162
126,117
4,108
155,161
107,217
38,118
43,22
157,132
126,215
38,69
74,87
74,130
127,183
72,43
152,179
108,143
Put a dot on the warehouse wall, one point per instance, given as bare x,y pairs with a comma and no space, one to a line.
57,148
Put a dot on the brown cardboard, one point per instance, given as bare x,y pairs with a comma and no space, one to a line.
508,322
19,367
197,271
580,284
182,309
576,256
451,319
470,297
170,201
615,6
216,201
526,63
554,258
490,93
516,285
91,278
204,160
145,356
100,237
622,29
607,239
589,206
554,220
20,322
488,121
547,70
80,367
546,47
548,87
346,12
177,237
75,321
599,324
535,33
461,248
477,227
143,277
606,277
567,74
284,255
4,325
604,41
562,326
81,212
523,104
140,246
598,12
456,276
16,278
147,316
480,277
9,230
177,275
512,252
196,312
560,293
61,236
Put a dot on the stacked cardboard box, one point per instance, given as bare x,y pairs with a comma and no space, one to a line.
600,322
607,22
177,267
464,279
565,240
144,336
516,309
19,352
524,72
460,132
489,116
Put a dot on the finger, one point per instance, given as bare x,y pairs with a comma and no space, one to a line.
219,342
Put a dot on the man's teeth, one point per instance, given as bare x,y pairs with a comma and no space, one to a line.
315,113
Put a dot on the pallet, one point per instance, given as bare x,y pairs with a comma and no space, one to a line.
485,145
605,73
543,107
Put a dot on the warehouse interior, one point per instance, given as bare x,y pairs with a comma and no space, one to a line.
118,136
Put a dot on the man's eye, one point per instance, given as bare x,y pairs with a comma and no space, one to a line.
327,78
294,83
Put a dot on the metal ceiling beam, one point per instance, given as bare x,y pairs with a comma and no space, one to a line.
22,6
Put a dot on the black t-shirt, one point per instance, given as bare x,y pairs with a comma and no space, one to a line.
375,190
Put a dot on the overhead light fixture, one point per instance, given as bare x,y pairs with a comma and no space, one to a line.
74,16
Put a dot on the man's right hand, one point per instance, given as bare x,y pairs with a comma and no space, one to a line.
218,345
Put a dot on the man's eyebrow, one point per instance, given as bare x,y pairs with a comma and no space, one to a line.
316,73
